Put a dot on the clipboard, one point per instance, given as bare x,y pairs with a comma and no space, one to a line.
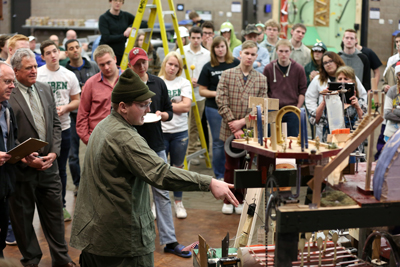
24,149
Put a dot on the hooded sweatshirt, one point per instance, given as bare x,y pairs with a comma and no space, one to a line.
286,87
234,41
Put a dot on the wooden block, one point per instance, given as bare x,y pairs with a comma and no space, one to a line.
273,104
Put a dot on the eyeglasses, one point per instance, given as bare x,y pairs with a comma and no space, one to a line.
143,106
8,82
327,62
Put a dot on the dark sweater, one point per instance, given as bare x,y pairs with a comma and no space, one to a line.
112,28
286,88
152,131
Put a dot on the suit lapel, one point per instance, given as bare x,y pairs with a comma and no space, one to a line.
250,81
239,80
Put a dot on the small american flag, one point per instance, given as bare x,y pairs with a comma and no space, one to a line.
191,246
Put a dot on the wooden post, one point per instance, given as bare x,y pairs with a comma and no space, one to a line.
370,156
318,178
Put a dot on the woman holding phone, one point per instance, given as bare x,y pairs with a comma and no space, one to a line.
314,100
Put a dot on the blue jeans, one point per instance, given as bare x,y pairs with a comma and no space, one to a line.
218,158
165,222
74,166
176,145
292,124
62,160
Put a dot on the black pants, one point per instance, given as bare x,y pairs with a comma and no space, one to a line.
4,213
43,190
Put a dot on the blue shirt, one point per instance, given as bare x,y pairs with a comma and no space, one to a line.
263,57
3,122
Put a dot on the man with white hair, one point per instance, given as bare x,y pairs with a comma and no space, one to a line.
38,184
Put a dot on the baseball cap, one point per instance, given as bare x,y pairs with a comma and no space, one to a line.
320,46
183,32
31,38
137,53
251,28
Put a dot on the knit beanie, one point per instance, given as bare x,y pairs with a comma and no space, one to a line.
130,88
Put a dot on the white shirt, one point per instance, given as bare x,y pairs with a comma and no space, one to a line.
198,59
393,59
64,84
176,89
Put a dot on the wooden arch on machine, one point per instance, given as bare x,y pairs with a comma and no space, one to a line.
278,120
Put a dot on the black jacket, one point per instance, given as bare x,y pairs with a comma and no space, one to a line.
89,69
112,28
152,132
7,173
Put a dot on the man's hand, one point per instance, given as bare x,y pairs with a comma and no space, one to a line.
238,134
221,190
30,158
194,82
313,74
61,110
208,43
164,115
43,163
3,158
127,32
235,125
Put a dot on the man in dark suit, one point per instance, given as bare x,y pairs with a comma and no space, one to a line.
38,182
8,130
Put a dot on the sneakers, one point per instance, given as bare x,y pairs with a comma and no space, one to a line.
239,209
67,216
227,209
153,210
180,210
76,190
195,162
10,239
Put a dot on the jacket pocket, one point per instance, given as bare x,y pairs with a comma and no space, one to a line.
147,228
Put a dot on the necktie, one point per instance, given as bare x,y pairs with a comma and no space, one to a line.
38,118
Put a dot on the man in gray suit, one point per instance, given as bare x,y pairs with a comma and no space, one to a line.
38,182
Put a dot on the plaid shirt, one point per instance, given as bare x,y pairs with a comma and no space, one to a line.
233,96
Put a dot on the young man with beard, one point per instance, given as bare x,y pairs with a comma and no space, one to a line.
287,82
83,70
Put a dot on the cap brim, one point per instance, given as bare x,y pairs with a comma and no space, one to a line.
256,32
226,30
319,49
133,61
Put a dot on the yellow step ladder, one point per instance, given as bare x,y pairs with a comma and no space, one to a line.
156,10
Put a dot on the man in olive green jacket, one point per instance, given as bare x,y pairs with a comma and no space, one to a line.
113,223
